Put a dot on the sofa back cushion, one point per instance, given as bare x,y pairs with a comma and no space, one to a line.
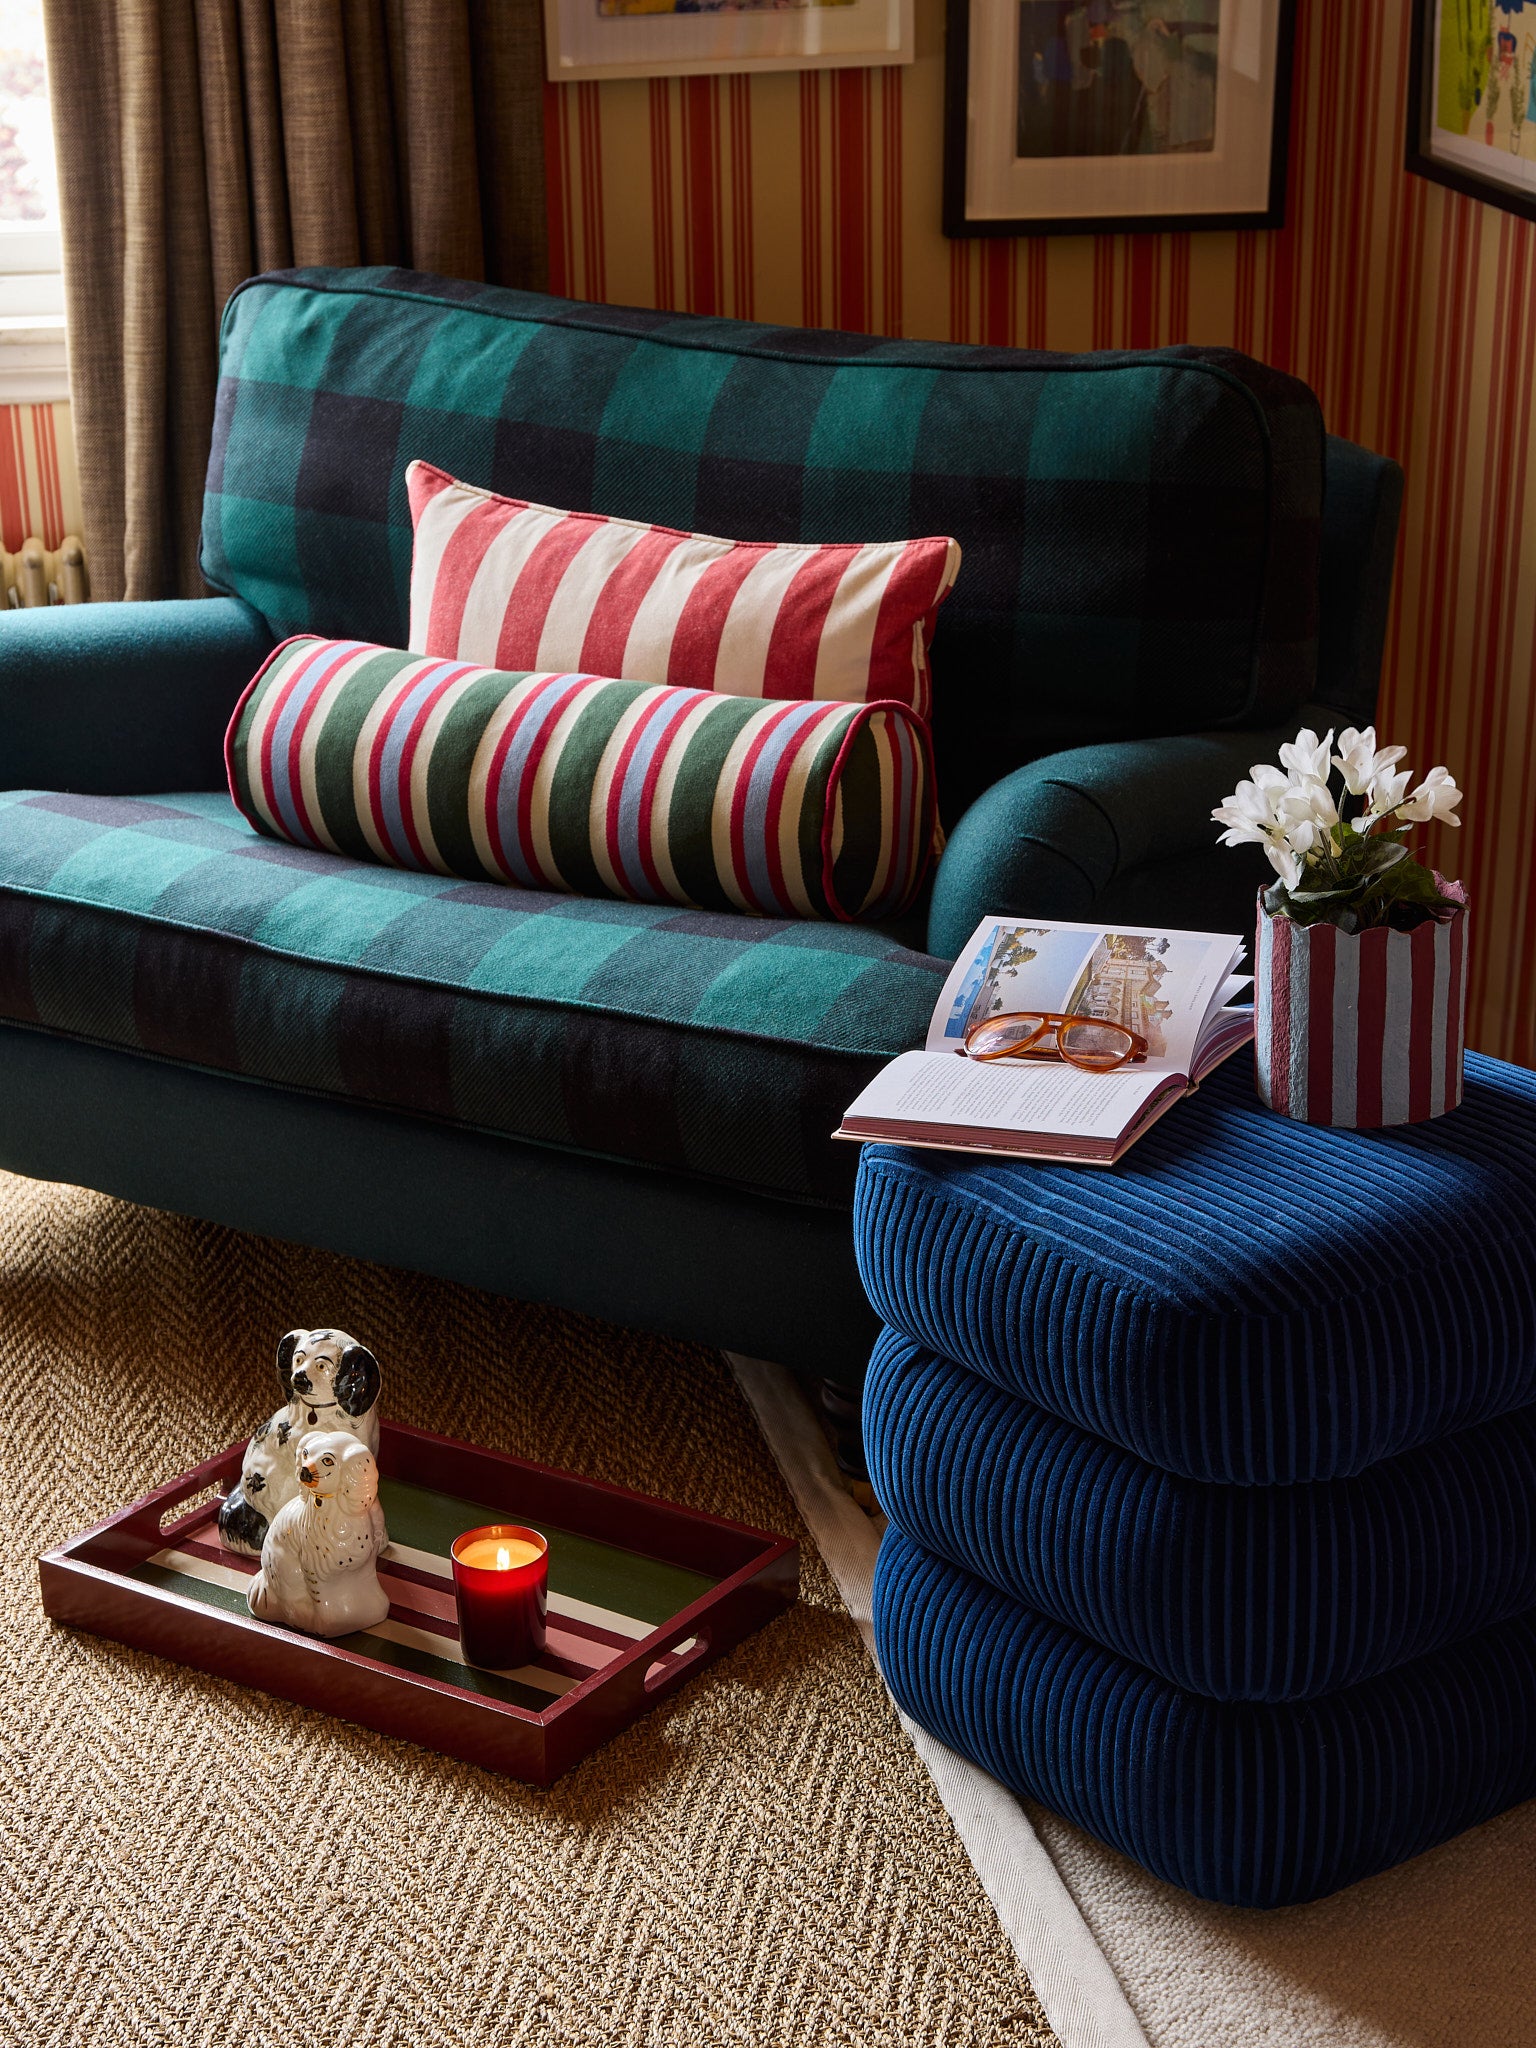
585,784
1139,531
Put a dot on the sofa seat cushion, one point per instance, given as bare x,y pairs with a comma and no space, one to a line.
1242,1298
1250,1805
1236,1592
719,1045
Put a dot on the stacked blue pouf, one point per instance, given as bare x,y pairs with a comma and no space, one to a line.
1212,1479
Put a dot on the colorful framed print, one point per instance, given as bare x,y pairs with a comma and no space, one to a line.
1071,117
661,38
1472,99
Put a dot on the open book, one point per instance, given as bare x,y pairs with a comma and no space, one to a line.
1175,989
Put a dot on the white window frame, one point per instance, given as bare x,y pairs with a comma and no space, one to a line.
34,367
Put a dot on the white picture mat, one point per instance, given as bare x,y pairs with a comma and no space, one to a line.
579,43
1233,177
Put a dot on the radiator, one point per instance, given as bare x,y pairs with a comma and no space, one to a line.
39,575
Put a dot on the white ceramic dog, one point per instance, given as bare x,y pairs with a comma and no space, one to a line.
329,1381
317,1563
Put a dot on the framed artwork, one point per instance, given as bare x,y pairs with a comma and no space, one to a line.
1472,99
661,38
1074,117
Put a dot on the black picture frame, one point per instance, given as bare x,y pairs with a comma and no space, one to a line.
957,57
1418,155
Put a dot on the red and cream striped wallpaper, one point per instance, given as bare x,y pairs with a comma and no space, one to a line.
39,493
814,197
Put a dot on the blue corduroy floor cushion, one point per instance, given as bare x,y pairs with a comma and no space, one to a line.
1246,1804
1236,1592
1243,1298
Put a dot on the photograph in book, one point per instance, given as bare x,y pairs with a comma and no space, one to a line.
1126,982
1160,984
1014,967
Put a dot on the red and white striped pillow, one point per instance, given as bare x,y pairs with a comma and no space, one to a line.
510,585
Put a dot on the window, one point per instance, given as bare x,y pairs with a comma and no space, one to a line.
31,288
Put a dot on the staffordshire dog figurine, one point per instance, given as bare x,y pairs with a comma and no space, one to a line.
317,1563
329,1381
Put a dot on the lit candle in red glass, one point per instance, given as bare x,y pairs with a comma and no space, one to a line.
501,1583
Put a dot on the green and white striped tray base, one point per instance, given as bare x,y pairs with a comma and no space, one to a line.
602,1599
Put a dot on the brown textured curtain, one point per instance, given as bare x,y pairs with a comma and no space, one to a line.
200,141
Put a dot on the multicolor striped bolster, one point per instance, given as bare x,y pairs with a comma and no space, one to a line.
514,585
580,783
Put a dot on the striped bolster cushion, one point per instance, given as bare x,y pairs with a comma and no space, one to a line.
520,586
581,783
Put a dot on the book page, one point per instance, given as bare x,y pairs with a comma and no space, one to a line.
1049,1097
1163,984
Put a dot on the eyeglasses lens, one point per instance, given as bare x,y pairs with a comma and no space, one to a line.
1005,1034
1096,1044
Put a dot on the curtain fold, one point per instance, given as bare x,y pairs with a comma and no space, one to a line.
202,141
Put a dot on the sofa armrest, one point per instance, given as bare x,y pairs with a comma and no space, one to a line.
1112,831
119,699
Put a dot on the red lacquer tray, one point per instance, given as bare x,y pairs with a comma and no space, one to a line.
641,1595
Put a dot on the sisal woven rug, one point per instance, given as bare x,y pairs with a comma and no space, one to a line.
763,1859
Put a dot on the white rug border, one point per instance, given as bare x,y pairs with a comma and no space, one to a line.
1072,1977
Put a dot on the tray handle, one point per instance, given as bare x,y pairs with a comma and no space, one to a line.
679,1653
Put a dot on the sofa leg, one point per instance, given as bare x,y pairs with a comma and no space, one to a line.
840,1418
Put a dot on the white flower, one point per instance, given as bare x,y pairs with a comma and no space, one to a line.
1241,832
1387,789
1308,803
1436,797
1287,816
1250,813
1306,813
1293,813
1361,761
1307,757
1283,861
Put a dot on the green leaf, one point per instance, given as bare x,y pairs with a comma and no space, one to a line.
1379,854
1398,893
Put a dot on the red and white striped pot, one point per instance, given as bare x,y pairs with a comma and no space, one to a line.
1360,1029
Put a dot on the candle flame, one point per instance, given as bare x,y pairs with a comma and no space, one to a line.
503,1560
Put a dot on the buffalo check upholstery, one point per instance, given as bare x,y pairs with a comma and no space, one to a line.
722,1045
1140,539
1139,531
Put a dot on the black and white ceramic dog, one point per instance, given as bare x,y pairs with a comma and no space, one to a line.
317,1563
329,1381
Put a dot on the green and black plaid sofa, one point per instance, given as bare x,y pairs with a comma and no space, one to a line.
627,1108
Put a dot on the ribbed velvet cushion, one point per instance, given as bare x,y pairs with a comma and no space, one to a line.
1242,1298
1237,1592
1249,1805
